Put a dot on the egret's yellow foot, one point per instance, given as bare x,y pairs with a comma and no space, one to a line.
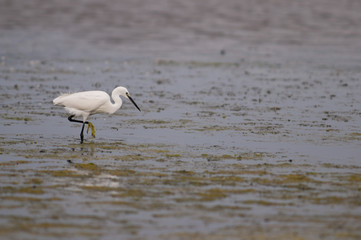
90,125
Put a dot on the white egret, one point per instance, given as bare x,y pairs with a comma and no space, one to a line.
84,104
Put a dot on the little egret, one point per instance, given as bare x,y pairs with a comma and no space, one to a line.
84,104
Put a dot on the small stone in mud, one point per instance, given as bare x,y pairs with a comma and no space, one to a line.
163,81
69,161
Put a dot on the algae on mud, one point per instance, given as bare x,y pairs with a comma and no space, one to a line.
205,181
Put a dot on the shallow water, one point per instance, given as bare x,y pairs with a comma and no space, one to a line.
261,141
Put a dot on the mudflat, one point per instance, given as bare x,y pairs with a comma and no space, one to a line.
250,122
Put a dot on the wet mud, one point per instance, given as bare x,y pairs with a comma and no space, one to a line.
255,142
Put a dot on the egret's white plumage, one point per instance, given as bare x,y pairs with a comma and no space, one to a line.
84,104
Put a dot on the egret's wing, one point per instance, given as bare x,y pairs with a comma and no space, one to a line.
88,101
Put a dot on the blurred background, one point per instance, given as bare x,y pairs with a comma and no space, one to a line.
49,27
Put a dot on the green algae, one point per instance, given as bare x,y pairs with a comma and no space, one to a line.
191,178
263,203
132,157
99,188
25,119
19,190
353,178
64,173
339,166
295,178
28,199
174,155
354,136
240,156
12,163
328,200
36,181
202,64
240,172
290,181
212,194
87,166
122,172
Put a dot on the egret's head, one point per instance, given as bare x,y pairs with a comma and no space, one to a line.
122,91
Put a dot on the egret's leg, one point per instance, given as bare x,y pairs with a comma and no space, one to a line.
70,118
81,133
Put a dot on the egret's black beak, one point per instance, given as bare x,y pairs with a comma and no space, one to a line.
131,99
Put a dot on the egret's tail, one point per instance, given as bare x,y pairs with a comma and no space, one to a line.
59,100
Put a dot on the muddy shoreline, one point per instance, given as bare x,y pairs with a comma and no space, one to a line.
250,123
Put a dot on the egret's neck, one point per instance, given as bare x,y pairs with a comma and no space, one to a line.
117,102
